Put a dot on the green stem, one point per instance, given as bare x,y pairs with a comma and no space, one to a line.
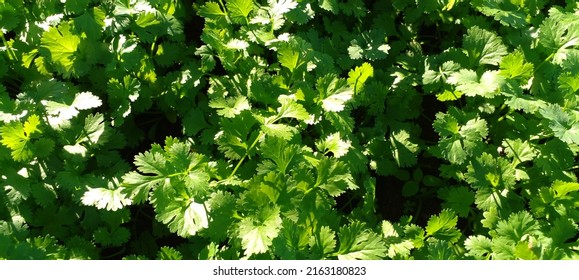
246,154
153,45
544,61
10,51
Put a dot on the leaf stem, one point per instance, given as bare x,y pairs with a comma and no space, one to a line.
9,50
246,154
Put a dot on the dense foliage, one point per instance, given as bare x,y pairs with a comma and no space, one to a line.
289,129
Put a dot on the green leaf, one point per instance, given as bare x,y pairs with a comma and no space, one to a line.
334,177
563,124
448,95
562,189
76,6
489,172
523,251
329,5
459,141
483,47
479,247
231,106
506,12
239,10
563,229
183,217
257,231
103,198
212,11
60,47
95,131
519,151
458,199
221,207
291,109
371,45
278,150
323,241
440,250
517,226
357,242
334,144
18,137
334,93
555,156
169,253
468,83
112,237
357,77
410,188
443,226
60,112
296,55
514,65
91,23
558,33
404,151
174,168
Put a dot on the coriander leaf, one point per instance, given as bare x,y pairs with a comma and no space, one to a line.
489,172
231,106
514,65
468,82
334,144
60,46
221,206
239,10
506,12
295,55
483,47
517,226
458,199
558,33
563,229
479,247
563,124
103,198
60,112
334,93
95,131
169,253
211,11
257,231
174,168
323,242
448,95
330,5
519,151
554,157
370,44
357,77
292,241
291,109
112,237
443,226
334,177
18,137
278,150
458,141
357,242
183,217
403,150
562,189
279,130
